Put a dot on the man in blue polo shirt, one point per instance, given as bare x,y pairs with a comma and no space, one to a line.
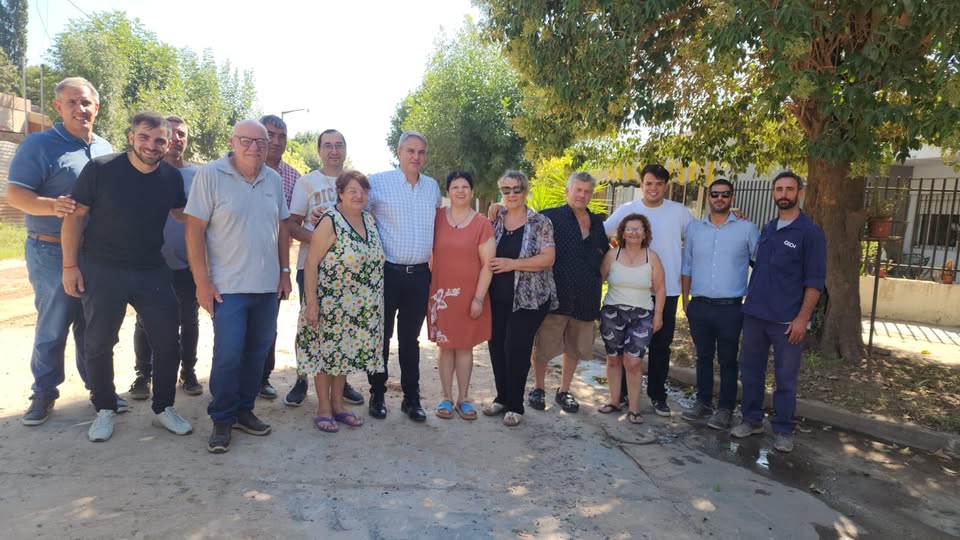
42,176
717,251
788,276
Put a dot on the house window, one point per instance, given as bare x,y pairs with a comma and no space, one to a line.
938,230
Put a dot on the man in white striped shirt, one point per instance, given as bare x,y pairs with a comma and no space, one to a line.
403,203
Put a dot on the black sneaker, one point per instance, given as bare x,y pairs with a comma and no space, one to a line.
38,411
267,391
351,396
567,402
248,422
219,441
698,411
297,394
660,407
190,384
537,399
140,389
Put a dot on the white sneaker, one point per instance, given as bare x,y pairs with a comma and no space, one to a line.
172,422
102,427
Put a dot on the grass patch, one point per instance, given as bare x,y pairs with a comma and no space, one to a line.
11,241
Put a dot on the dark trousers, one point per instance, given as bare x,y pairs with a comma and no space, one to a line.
658,354
758,335
404,301
300,275
271,360
150,292
511,342
715,329
186,291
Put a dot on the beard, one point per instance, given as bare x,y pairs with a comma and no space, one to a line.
145,159
786,204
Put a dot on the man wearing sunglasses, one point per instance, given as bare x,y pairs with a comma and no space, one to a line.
717,252
238,246
668,220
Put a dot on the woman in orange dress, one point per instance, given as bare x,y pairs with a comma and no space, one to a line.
458,312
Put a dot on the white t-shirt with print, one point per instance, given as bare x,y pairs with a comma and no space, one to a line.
312,190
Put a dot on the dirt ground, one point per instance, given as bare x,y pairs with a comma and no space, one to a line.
558,475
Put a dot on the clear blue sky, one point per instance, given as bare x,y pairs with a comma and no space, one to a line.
350,62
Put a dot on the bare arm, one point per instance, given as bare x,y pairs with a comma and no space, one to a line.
539,262
659,290
685,291
605,265
487,250
798,326
195,236
29,202
297,231
70,234
323,237
178,215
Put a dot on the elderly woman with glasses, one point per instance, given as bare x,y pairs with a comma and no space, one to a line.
522,292
629,316
340,330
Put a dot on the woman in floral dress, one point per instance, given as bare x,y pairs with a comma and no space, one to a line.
340,330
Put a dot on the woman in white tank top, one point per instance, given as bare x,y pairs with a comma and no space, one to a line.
632,310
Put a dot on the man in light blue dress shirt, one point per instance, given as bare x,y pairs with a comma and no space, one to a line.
716,257
403,203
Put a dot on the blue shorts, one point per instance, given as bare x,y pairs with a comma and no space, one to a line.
626,330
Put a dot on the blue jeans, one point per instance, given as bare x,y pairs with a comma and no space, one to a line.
244,326
56,312
716,329
758,335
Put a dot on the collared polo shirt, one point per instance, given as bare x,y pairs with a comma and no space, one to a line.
404,215
788,261
174,243
717,258
576,270
667,221
242,226
48,164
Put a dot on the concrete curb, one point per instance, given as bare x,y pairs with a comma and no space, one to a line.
873,425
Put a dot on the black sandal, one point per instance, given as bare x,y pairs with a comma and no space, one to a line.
634,417
608,408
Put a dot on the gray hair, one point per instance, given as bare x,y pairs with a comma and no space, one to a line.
274,121
248,121
515,175
415,134
76,82
581,176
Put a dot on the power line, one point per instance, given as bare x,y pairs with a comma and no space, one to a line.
43,23
78,8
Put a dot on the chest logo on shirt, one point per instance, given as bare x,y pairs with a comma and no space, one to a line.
789,244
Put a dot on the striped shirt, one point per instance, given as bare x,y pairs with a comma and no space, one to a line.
404,215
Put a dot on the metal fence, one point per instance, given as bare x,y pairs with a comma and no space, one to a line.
926,218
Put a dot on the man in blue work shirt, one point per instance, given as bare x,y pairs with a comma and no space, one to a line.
716,257
42,175
788,276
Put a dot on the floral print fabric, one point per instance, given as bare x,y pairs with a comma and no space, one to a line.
532,289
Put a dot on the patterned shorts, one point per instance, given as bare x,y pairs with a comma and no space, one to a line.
626,329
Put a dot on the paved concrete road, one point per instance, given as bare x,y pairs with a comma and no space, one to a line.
556,476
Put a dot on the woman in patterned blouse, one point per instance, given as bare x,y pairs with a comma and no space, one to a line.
521,293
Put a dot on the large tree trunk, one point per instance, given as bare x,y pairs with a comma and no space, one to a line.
835,202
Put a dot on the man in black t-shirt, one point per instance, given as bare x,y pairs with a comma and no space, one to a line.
126,199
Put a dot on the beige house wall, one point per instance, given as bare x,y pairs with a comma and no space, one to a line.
912,301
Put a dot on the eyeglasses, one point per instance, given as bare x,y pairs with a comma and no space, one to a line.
724,194
247,141
506,190
355,192
328,146
633,230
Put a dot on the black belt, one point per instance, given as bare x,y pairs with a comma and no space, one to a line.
49,238
719,301
407,268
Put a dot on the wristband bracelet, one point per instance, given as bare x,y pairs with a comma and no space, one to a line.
69,267
478,301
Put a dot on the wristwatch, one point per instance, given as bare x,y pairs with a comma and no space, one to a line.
285,269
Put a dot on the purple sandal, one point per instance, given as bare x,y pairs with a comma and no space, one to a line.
349,419
326,425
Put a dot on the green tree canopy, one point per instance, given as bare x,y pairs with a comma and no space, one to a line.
134,71
465,106
13,30
838,86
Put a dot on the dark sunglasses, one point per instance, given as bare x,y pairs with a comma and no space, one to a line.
724,194
506,190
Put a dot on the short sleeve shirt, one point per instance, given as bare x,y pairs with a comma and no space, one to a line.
789,261
128,210
243,220
313,190
577,267
288,176
48,164
174,243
